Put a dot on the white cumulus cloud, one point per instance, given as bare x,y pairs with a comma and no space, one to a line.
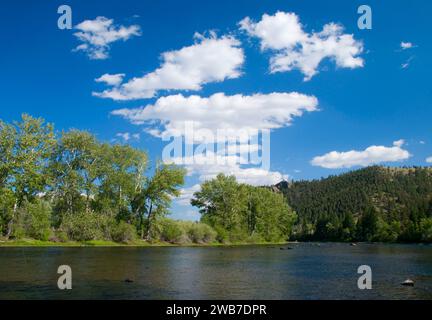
399,143
429,160
186,194
209,59
97,35
369,156
208,166
126,136
293,48
111,79
406,45
168,115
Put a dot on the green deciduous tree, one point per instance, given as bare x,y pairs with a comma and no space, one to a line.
238,211
123,174
75,167
7,163
154,197
26,148
73,185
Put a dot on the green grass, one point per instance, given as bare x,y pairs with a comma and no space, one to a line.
36,243
136,243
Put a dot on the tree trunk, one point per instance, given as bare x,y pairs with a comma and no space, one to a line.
141,224
120,199
10,223
149,222
88,201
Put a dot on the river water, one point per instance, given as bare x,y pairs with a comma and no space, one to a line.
307,271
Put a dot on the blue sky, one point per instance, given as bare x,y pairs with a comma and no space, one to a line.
386,99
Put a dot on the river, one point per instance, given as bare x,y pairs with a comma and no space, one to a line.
307,271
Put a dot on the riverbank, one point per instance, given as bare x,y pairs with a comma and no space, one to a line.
136,243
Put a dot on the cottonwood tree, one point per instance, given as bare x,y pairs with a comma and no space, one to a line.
7,162
154,198
75,167
27,146
101,189
239,211
123,172
220,202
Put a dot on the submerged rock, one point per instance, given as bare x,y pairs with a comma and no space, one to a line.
128,280
408,283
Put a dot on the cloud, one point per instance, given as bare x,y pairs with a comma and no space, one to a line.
242,148
237,113
399,143
111,79
97,35
407,63
429,160
210,59
208,166
369,156
293,48
406,45
186,194
126,136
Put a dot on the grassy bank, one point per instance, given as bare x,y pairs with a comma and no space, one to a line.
136,243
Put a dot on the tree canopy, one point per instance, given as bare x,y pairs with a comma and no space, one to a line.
73,185
241,212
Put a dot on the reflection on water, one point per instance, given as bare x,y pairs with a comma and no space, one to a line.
309,271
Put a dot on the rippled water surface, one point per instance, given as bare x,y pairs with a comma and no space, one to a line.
308,271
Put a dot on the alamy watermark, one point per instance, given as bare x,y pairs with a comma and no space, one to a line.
225,146
65,19
365,20
64,282
365,280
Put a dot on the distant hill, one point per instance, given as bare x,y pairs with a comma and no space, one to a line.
371,204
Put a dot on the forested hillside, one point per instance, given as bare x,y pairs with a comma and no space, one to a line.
371,204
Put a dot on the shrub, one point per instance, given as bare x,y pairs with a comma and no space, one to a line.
255,238
173,231
222,235
87,226
185,232
33,220
201,233
123,232
18,230
40,220
426,229
59,236
237,235
6,204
